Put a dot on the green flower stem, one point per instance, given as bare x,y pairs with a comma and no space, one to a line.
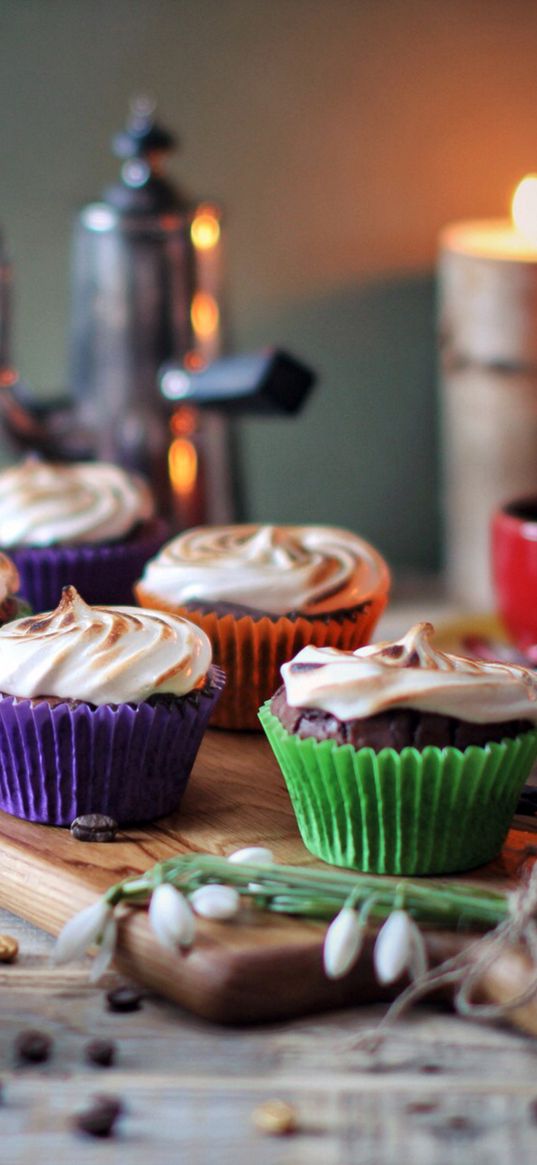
321,894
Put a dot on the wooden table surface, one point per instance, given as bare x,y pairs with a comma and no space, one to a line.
438,1090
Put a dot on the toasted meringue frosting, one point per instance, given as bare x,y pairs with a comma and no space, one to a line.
9,578
276,569
50,504
410,673
103,655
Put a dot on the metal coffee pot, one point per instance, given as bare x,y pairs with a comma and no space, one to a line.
146,337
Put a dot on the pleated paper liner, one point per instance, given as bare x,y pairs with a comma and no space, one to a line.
433,812
251,651
131,762
102,573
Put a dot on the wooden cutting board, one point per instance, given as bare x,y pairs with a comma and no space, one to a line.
261,967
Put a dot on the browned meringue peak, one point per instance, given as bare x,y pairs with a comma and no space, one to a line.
409,673
48,504
314,569
104,655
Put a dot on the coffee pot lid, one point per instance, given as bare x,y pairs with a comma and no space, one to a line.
142,146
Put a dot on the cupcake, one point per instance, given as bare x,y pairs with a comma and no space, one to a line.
88,524
11,604
262,593
401,759
102,710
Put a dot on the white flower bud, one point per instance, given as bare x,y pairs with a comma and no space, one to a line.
171,917
393,947
106,951
254,854
418,960
215,901
81,931
343,943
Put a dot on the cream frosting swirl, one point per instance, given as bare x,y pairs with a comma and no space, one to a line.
410,673
48,503
269,568
103,655
9,578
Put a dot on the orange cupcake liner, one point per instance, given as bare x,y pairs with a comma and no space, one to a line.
251,651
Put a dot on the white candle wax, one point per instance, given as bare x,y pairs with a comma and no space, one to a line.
488,344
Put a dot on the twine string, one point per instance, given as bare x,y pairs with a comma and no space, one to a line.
468,967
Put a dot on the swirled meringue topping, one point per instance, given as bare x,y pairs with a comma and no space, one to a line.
9,578
102,655
410,673
269,568
51,504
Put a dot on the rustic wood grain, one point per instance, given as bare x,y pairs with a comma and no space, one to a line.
261,967
435,1090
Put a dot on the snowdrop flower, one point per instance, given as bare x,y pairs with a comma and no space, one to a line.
107,946
399,947
256,854
171,917
216,901
81,931
343,943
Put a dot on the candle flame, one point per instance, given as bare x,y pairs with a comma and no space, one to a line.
205,229
183,421
183,466
524,208
204,314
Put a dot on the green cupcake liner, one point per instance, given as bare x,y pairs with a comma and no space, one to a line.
433,812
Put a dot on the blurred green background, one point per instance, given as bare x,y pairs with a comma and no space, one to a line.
339,136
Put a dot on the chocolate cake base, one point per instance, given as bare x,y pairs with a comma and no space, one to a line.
239,610
399,728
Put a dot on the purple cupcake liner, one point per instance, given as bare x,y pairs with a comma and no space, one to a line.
130,762
102,574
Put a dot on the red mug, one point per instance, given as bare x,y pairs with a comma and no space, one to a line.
514,568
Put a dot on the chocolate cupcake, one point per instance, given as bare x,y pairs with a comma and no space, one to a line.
102,710
86,524
261,593
402,759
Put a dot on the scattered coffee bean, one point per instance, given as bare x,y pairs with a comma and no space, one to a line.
33,1047
101,1052
9,948
100,1118
275,1117
94,827
124,999
457,1128
421,1107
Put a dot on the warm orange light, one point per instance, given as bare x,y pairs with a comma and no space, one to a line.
183,465
183,421
524,208
204,314
205,229
194,361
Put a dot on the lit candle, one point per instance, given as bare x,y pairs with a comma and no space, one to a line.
488,344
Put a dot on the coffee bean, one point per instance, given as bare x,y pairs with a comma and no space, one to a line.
33,1047
419,1107
101,1052
9,948
94,827
124,999
100,1118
